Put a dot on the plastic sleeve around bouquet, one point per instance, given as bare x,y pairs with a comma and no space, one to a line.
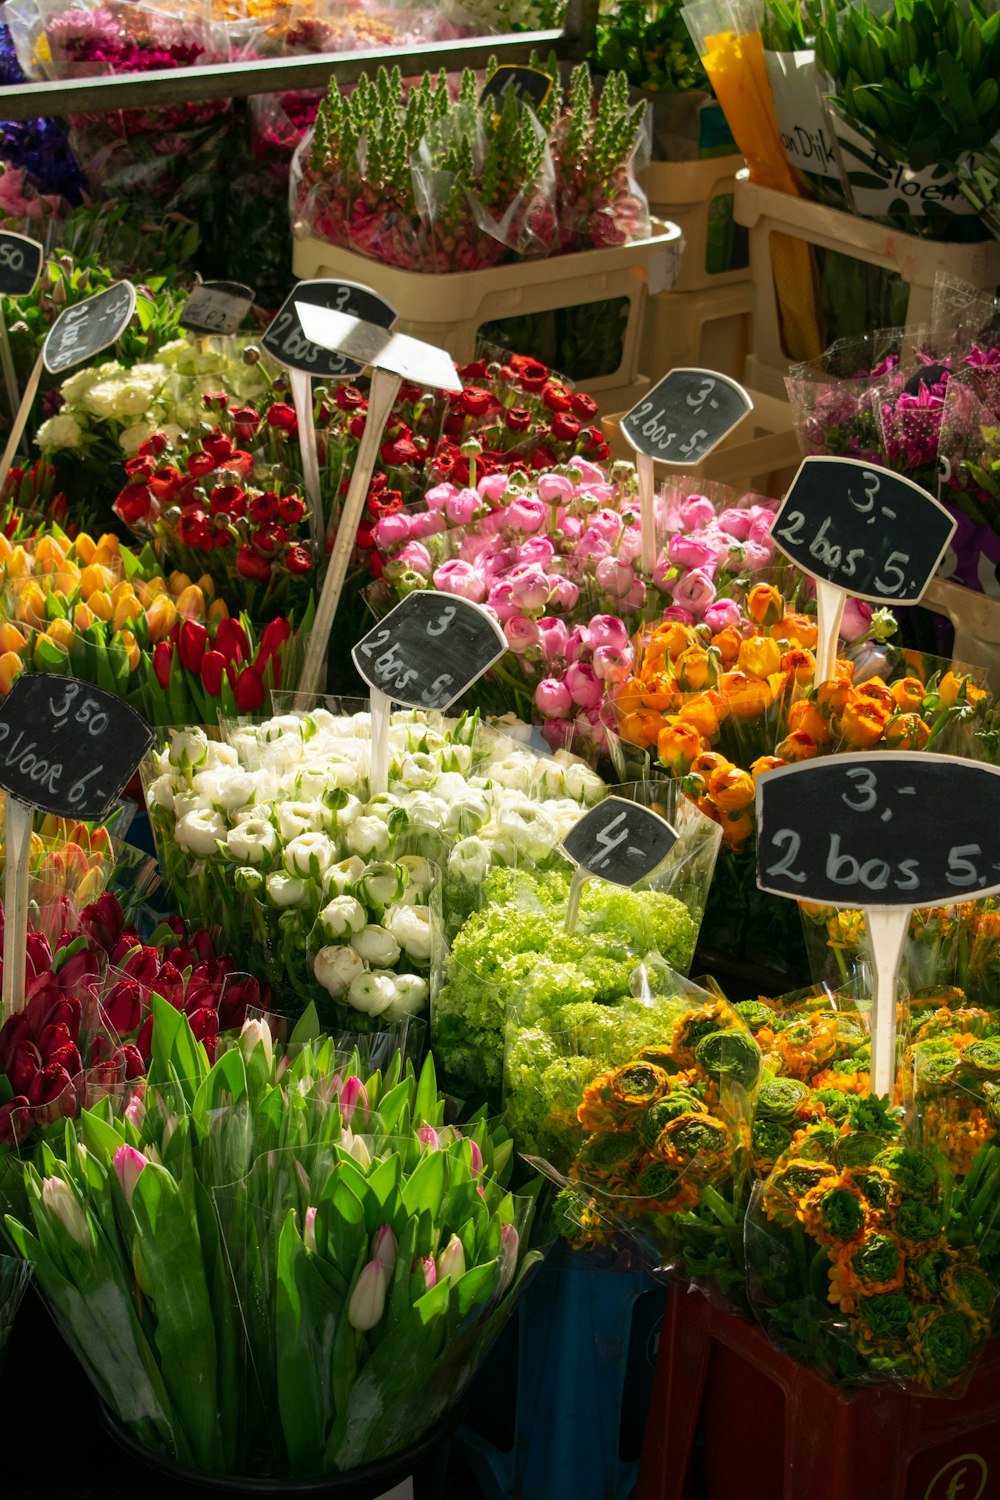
850,1267
14,1278
969,482
659,1139
834,398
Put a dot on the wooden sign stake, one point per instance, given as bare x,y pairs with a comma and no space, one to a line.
15,938
7,365
20,421
647,512
887,929
381,398
830,602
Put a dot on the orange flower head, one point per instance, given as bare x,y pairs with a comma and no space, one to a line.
161,614
798,746
178,582
30,606
677,746
745,696
191,603
700,713
760,656
875,691
83,617
736,828
695,669
676,637
218,610
832,696
641,727
799,630
628,698
732,790
11,667
908,694
727,642
100,604
766,763
952,686
84,548
805,718
131,646
907,732
862,723
708,762
765,605
12,639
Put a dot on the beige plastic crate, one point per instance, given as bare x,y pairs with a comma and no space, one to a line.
448,310
761,455
709,328
976,618
683,192
765,212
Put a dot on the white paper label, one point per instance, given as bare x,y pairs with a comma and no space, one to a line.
403,1491
877,183
805,133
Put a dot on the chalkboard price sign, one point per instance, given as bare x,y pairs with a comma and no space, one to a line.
287,342
620,841
865,530
893,829
686,415
530,83
88,327
429,649
67,747
216,307
20,262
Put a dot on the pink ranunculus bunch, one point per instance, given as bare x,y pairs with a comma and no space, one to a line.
583,664
711,544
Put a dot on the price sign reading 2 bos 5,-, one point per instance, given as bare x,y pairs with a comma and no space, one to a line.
886,833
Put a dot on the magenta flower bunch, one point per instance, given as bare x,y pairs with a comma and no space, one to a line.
712,546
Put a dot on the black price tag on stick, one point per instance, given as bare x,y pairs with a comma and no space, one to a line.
530,83
88,327
686,415
620,841
863,529
287,342
889,829
216,307
427,650
67,747
20,263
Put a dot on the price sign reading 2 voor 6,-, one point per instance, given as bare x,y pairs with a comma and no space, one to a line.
863,529
686,415
429,649
620,841
67,747
892,829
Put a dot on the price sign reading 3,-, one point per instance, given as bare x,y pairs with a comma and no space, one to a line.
886,833
68,748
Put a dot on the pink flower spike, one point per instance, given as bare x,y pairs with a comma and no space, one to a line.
128,1163
428,1136
352,1096
309,1231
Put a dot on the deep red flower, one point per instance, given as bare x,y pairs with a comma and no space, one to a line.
273,637
474,371
140,468
169,983
129,1057
356,426
565,426
215,401
144,1040
213,670
154,445
194,530
298,560
53,1084
231,640
219,445
199,464
245,420
387,503
205,1025
250,564
24,1063
454,425
249,691
134,504
228,499
52,1039
67,1057
263,508
475,401
163,656
530,373
291,509
517,418
166,483
349,398
103,920
555,396
192,643
283,417
583,406
122,1008
543,458
15,1120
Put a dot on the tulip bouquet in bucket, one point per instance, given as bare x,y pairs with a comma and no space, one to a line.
298,1266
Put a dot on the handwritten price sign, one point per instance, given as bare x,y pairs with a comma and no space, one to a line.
686,415
620,841
428,650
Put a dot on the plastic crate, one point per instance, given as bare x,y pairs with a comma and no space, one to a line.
710,329
774,1430
448,310
976,618
917,261
761,455
559,1411
693,194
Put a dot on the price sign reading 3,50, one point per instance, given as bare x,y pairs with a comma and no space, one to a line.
429,649
893,829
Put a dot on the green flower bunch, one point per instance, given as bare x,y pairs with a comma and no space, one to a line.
650,43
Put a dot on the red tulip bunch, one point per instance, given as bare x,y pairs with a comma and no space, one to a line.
198,669
86,1027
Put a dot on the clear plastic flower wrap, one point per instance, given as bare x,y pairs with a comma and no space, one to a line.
655,1141
834,397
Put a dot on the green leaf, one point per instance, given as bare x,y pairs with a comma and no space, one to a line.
426,1186
99,1137
226,1084
303,1311
307,1028
175,1055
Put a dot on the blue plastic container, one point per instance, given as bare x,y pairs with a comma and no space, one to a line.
559,1411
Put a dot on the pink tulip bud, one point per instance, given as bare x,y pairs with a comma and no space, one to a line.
430,1272
508,1257
384,1248
428,1136
309,1231
352,1096
256,1034
128,1163
135,1109
367,1302
614,577
477,1159
451,1261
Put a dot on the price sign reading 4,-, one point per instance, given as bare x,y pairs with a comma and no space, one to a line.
425,653
886,833
617,840
858,529
69,749
682,419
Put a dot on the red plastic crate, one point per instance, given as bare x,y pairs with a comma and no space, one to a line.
774,1430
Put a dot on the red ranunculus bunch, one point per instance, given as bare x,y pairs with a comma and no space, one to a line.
85,1030
217,508
199,669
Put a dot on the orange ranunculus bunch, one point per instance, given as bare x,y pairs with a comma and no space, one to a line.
719,709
